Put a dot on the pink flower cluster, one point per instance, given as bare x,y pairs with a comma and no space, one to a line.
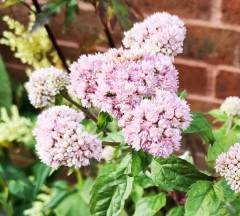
155,124
62,141
160,32
121,79
138,85
44,84
228,166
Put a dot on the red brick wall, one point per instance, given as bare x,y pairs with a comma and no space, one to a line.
209,68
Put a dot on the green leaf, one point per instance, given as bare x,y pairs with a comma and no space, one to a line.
203,199
175,173
122,13
111,190
48,10
21,188
73,204
70,12
221,145
176,211
150,205
183,94
144,180
9,3
103,120
5,89
201,126
140,161
137,192
42,172
56,200
109,194
218,115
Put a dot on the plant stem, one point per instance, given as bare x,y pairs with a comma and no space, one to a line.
106,143
87,113
79,177
52,38
109,37
230,121
63,60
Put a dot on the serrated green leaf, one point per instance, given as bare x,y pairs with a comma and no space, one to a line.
201,126
109,194
5,89
175,173
150,205
144,180
203,199
111,190
140,161
176,211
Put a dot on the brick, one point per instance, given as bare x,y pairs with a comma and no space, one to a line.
193,78
230,11
86,25
202,106
227,84
17,72
216,46
184,8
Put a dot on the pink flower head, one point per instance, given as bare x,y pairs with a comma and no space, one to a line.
44,84
155,124
228,166
160,32
61,140
122,79
83,77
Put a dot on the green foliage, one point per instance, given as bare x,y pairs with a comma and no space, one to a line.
36,50
221,145
110,191
204,198
112,12
8,3
176,211
42,172
103,120
15,128
201,126
140,161
218,115
5,90
174,173
150,205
